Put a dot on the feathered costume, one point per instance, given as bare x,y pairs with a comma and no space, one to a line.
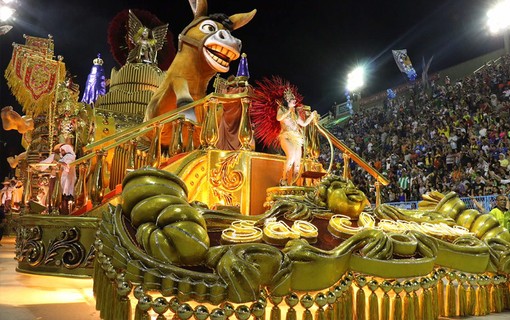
268,96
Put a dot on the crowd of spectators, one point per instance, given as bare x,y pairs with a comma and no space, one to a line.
447,135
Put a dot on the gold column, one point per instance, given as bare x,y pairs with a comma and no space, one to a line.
97,183
155,148
56,195
211,125
130,166
245,134
82,196
177,144
314,144
347,160
191,129
377,193
27,192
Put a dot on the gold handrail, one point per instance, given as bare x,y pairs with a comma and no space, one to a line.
165,118
353,155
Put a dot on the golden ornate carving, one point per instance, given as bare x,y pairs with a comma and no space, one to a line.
225,178
29,246
69,242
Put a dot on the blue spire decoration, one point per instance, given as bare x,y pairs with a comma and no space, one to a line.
242,71
96,82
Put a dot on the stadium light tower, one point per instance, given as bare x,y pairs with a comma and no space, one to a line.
499,22
356,79
6,10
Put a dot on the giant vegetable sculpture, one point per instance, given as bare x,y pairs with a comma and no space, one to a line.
170,235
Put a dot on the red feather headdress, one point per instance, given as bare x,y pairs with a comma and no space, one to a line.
268,94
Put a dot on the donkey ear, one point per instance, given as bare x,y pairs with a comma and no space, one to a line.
199,7
240,19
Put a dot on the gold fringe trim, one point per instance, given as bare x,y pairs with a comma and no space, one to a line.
360,304
307,315
291,314
397,308
440,297
451,305
427,307
276,313
385,307
409,307
373,307
462,300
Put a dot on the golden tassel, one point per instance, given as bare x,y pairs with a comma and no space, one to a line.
291,314
409,307
493,297
95,276
123,309
435,301
104,296
330,312
506,294
397,308
360,304
499,298
471,301
385,307
373,307
462,300
98,279
487,299
276,313
502,288
481,299
427,308
340,307
138,314
416,306
307,315
440,297
320,314
110,307
479,302
349,304
451,307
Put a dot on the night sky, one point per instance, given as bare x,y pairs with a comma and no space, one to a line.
313,44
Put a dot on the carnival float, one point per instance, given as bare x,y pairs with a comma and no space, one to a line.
175,215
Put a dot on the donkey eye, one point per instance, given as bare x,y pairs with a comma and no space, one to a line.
208,26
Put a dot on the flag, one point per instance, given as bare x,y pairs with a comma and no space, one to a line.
33,75
404,63
42,45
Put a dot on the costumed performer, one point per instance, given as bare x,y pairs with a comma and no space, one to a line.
291,136
68,173
278,119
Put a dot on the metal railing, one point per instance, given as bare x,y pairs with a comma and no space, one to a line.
487,202
125,155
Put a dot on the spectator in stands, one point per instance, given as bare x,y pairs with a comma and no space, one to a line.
440,133
500,211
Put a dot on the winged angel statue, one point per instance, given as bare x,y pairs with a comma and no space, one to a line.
146,42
